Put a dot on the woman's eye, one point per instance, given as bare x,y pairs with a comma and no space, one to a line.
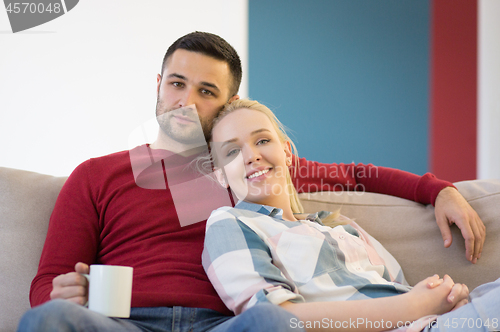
232,152
263,141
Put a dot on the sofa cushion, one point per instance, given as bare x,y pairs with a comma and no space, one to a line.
26,202
409,230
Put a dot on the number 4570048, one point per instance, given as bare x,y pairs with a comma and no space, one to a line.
31,7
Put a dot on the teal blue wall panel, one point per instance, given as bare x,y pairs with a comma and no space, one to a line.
350,78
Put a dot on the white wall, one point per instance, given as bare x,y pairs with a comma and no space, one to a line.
489,90
78,86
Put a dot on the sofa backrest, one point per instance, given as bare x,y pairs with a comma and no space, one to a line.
26,202
408,230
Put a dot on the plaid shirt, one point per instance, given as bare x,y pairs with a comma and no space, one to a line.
252,255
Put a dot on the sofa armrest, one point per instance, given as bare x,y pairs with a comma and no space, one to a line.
26,202
409,230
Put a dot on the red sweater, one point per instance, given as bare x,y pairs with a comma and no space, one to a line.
112,212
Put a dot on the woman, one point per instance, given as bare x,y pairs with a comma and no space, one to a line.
261,250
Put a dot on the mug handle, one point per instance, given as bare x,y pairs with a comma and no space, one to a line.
86,305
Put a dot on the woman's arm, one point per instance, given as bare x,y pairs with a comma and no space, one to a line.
239,265
381,313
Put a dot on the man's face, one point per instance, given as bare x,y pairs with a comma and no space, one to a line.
191,78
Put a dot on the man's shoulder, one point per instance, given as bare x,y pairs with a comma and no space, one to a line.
106,165
116,157
120,155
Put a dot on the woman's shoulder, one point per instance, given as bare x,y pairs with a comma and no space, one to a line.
224,213
228,214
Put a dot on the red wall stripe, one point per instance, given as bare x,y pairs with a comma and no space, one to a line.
453,93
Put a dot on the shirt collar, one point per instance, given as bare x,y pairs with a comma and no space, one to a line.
316,217
263,209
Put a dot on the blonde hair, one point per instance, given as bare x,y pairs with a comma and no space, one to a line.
295,203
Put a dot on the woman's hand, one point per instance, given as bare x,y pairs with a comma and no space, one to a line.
438,296
460,290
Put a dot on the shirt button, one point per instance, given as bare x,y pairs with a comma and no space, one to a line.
341,237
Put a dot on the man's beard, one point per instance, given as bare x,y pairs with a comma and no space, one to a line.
190,133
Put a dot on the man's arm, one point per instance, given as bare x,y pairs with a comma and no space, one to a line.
451,207
72,236
310,176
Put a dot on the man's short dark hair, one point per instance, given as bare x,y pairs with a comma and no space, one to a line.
213,46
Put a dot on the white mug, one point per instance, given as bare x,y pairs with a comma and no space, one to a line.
110,290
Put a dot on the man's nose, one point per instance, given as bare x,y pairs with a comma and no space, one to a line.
188,98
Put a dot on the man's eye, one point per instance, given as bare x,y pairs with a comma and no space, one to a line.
178,84
207,92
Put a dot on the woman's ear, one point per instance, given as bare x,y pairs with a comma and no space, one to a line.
288,153
221,177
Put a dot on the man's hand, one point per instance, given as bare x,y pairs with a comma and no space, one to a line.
452,208
72,286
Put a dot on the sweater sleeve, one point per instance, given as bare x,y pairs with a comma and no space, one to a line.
72,235
310,176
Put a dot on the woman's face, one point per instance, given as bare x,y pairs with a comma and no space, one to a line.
251,155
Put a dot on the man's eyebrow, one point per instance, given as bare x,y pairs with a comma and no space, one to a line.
182,77
210,85
232,140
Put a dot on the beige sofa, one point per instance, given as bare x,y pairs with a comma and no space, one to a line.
407,229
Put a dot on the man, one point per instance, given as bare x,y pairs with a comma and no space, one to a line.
139,208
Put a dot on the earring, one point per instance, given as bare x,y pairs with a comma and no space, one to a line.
289,161
223,183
